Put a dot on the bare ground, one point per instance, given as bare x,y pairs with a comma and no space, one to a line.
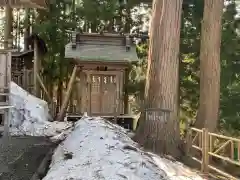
20,157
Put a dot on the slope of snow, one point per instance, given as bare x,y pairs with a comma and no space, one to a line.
30,115
94,150
99,150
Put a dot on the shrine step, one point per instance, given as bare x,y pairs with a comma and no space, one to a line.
126,121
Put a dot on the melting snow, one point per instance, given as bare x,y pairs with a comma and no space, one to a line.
94,149
30,115
99,150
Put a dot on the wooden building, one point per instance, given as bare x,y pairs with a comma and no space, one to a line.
104,61
23,63
19,67
6,57
22,69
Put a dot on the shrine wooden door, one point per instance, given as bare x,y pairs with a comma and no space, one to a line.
102,92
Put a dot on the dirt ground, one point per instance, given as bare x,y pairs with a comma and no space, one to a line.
20,157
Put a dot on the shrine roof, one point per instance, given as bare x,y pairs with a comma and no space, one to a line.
95,47
21,54
100,52
40,4
30,40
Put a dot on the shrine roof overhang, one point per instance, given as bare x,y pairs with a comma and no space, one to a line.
41,46
22,54
40,4
105,53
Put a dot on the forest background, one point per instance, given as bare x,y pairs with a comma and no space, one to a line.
64,16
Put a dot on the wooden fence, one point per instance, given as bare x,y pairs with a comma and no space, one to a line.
211,146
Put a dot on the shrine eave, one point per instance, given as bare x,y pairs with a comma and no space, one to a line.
103,53
99,61
22,54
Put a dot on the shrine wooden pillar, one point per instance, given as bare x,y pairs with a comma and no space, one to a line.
36,64
5,80
126,99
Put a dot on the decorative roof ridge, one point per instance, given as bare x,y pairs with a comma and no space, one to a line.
115,35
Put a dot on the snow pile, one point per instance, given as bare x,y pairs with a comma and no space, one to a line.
97,149
30,115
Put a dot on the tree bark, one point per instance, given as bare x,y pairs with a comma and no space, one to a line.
208,112
161,90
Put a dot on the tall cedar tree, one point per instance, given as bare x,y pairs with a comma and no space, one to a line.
161,91
208,113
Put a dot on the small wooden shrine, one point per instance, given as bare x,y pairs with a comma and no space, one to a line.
104,61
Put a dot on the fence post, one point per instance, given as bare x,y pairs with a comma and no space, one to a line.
188,141
205,150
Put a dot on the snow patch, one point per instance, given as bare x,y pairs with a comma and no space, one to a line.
94,149
175,170
97,149
30,115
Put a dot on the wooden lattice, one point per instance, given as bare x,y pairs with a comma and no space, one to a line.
95,94
103,94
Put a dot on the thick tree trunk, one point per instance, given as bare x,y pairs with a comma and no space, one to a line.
208,112
162,135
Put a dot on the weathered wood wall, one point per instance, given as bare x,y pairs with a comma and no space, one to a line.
98,93
5,79
24,78
94,91
5,75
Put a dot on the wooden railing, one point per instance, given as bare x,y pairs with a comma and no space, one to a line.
209,146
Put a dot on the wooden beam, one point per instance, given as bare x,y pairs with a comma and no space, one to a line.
222,146
224,137
36,69
78,88
205,151
5,107
63,108
223,173
44,89
7,116
126,98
